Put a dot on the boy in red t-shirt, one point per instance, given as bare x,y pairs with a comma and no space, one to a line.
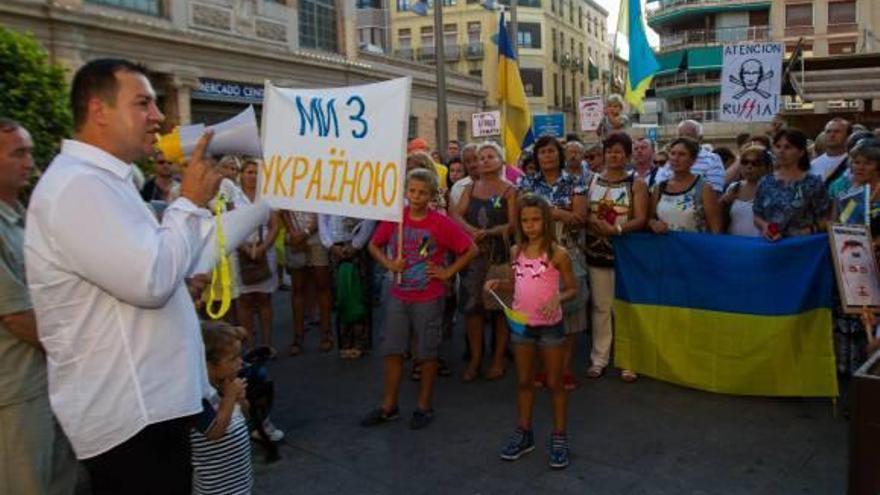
417,296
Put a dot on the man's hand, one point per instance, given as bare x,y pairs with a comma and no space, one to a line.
200,179
197,284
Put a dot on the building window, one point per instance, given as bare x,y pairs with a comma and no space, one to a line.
461,130
317,25
427,35
403,5
529,34
552,5
844,48
580,17
553,37
149,7
473,32
799,14
413,129
842,12
404,39
589,24
533,81
476,73
571,11
361,4
555,90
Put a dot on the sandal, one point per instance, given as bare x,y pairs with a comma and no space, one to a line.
355,353
295,349
628,376
595,372
470,375
495,373
326,344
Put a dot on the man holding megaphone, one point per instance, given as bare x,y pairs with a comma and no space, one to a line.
125,356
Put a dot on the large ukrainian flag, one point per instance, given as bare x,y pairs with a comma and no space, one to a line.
726,314
516,120
642,62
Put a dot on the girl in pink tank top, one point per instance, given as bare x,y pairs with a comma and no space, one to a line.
538,264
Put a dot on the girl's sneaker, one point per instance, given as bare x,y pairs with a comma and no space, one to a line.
558,451
521,442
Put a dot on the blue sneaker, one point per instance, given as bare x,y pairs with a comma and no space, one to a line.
558,451
521,442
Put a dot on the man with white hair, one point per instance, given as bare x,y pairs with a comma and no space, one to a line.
708,164
574,159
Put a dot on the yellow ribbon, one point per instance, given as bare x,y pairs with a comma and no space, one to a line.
221,269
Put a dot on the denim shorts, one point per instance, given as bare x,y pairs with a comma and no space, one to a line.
541,335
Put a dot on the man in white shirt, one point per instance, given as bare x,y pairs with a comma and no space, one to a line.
833,163
643,161
708,164
126,361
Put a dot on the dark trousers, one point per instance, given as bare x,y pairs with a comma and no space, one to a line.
156,461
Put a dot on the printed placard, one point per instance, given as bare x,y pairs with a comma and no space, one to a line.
486,124
855,267
338,151
591,109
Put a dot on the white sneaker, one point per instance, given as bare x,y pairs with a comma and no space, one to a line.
274,433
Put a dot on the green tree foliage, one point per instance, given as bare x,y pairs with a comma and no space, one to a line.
34,92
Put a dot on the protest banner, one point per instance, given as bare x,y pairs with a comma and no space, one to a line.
591,109
339,151
486,124
751,82
855,267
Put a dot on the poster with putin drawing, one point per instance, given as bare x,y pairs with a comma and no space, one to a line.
751,80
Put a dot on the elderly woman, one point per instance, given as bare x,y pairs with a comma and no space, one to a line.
791,201
566,195
255,300
737,203
618,203
685,202
487,211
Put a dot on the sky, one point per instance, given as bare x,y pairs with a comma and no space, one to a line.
612,6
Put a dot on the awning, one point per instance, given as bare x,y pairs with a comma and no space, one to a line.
699,59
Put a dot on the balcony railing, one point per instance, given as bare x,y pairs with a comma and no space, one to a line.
664,6
474,51
704,37
686,79
371,17
404,53
425,54
451,53
698,115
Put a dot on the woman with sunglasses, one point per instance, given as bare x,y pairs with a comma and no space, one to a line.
754,163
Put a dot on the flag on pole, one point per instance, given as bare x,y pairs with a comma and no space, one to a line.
642,63
516,320
516,123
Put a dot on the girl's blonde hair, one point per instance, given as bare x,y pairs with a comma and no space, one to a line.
614,98
220,338
548,234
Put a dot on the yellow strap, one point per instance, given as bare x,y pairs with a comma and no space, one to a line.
221,269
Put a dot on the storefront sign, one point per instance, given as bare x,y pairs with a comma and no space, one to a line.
216,90
551,124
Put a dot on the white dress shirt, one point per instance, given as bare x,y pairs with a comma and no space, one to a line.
122,338
708,164
333,229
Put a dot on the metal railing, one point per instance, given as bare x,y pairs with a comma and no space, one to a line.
686,78
698,115
662,6
404,53
474,51
702,37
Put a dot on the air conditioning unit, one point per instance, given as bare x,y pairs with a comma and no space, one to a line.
843,105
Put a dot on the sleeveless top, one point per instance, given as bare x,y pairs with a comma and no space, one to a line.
742,219
485,214
683,211
536,281
611,202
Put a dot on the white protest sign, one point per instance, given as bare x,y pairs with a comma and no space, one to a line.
751,81
486,124
591,109
340,151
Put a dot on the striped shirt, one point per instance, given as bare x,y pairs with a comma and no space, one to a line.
222,466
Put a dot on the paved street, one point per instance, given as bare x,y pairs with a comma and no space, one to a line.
645,438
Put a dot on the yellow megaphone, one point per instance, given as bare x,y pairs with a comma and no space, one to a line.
238,135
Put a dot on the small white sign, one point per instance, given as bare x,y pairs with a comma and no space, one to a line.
591,109
486,124
751,82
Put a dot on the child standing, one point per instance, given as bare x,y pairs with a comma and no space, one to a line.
221,447
538,264
417,294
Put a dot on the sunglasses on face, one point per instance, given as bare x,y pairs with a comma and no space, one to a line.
659,162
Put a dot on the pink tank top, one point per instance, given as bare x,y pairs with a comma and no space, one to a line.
536,282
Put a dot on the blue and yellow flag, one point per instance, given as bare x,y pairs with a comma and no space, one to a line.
726,314
642,63
516,120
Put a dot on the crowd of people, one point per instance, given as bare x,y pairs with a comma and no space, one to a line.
106,324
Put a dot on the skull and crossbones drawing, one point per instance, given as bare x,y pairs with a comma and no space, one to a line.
751,75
